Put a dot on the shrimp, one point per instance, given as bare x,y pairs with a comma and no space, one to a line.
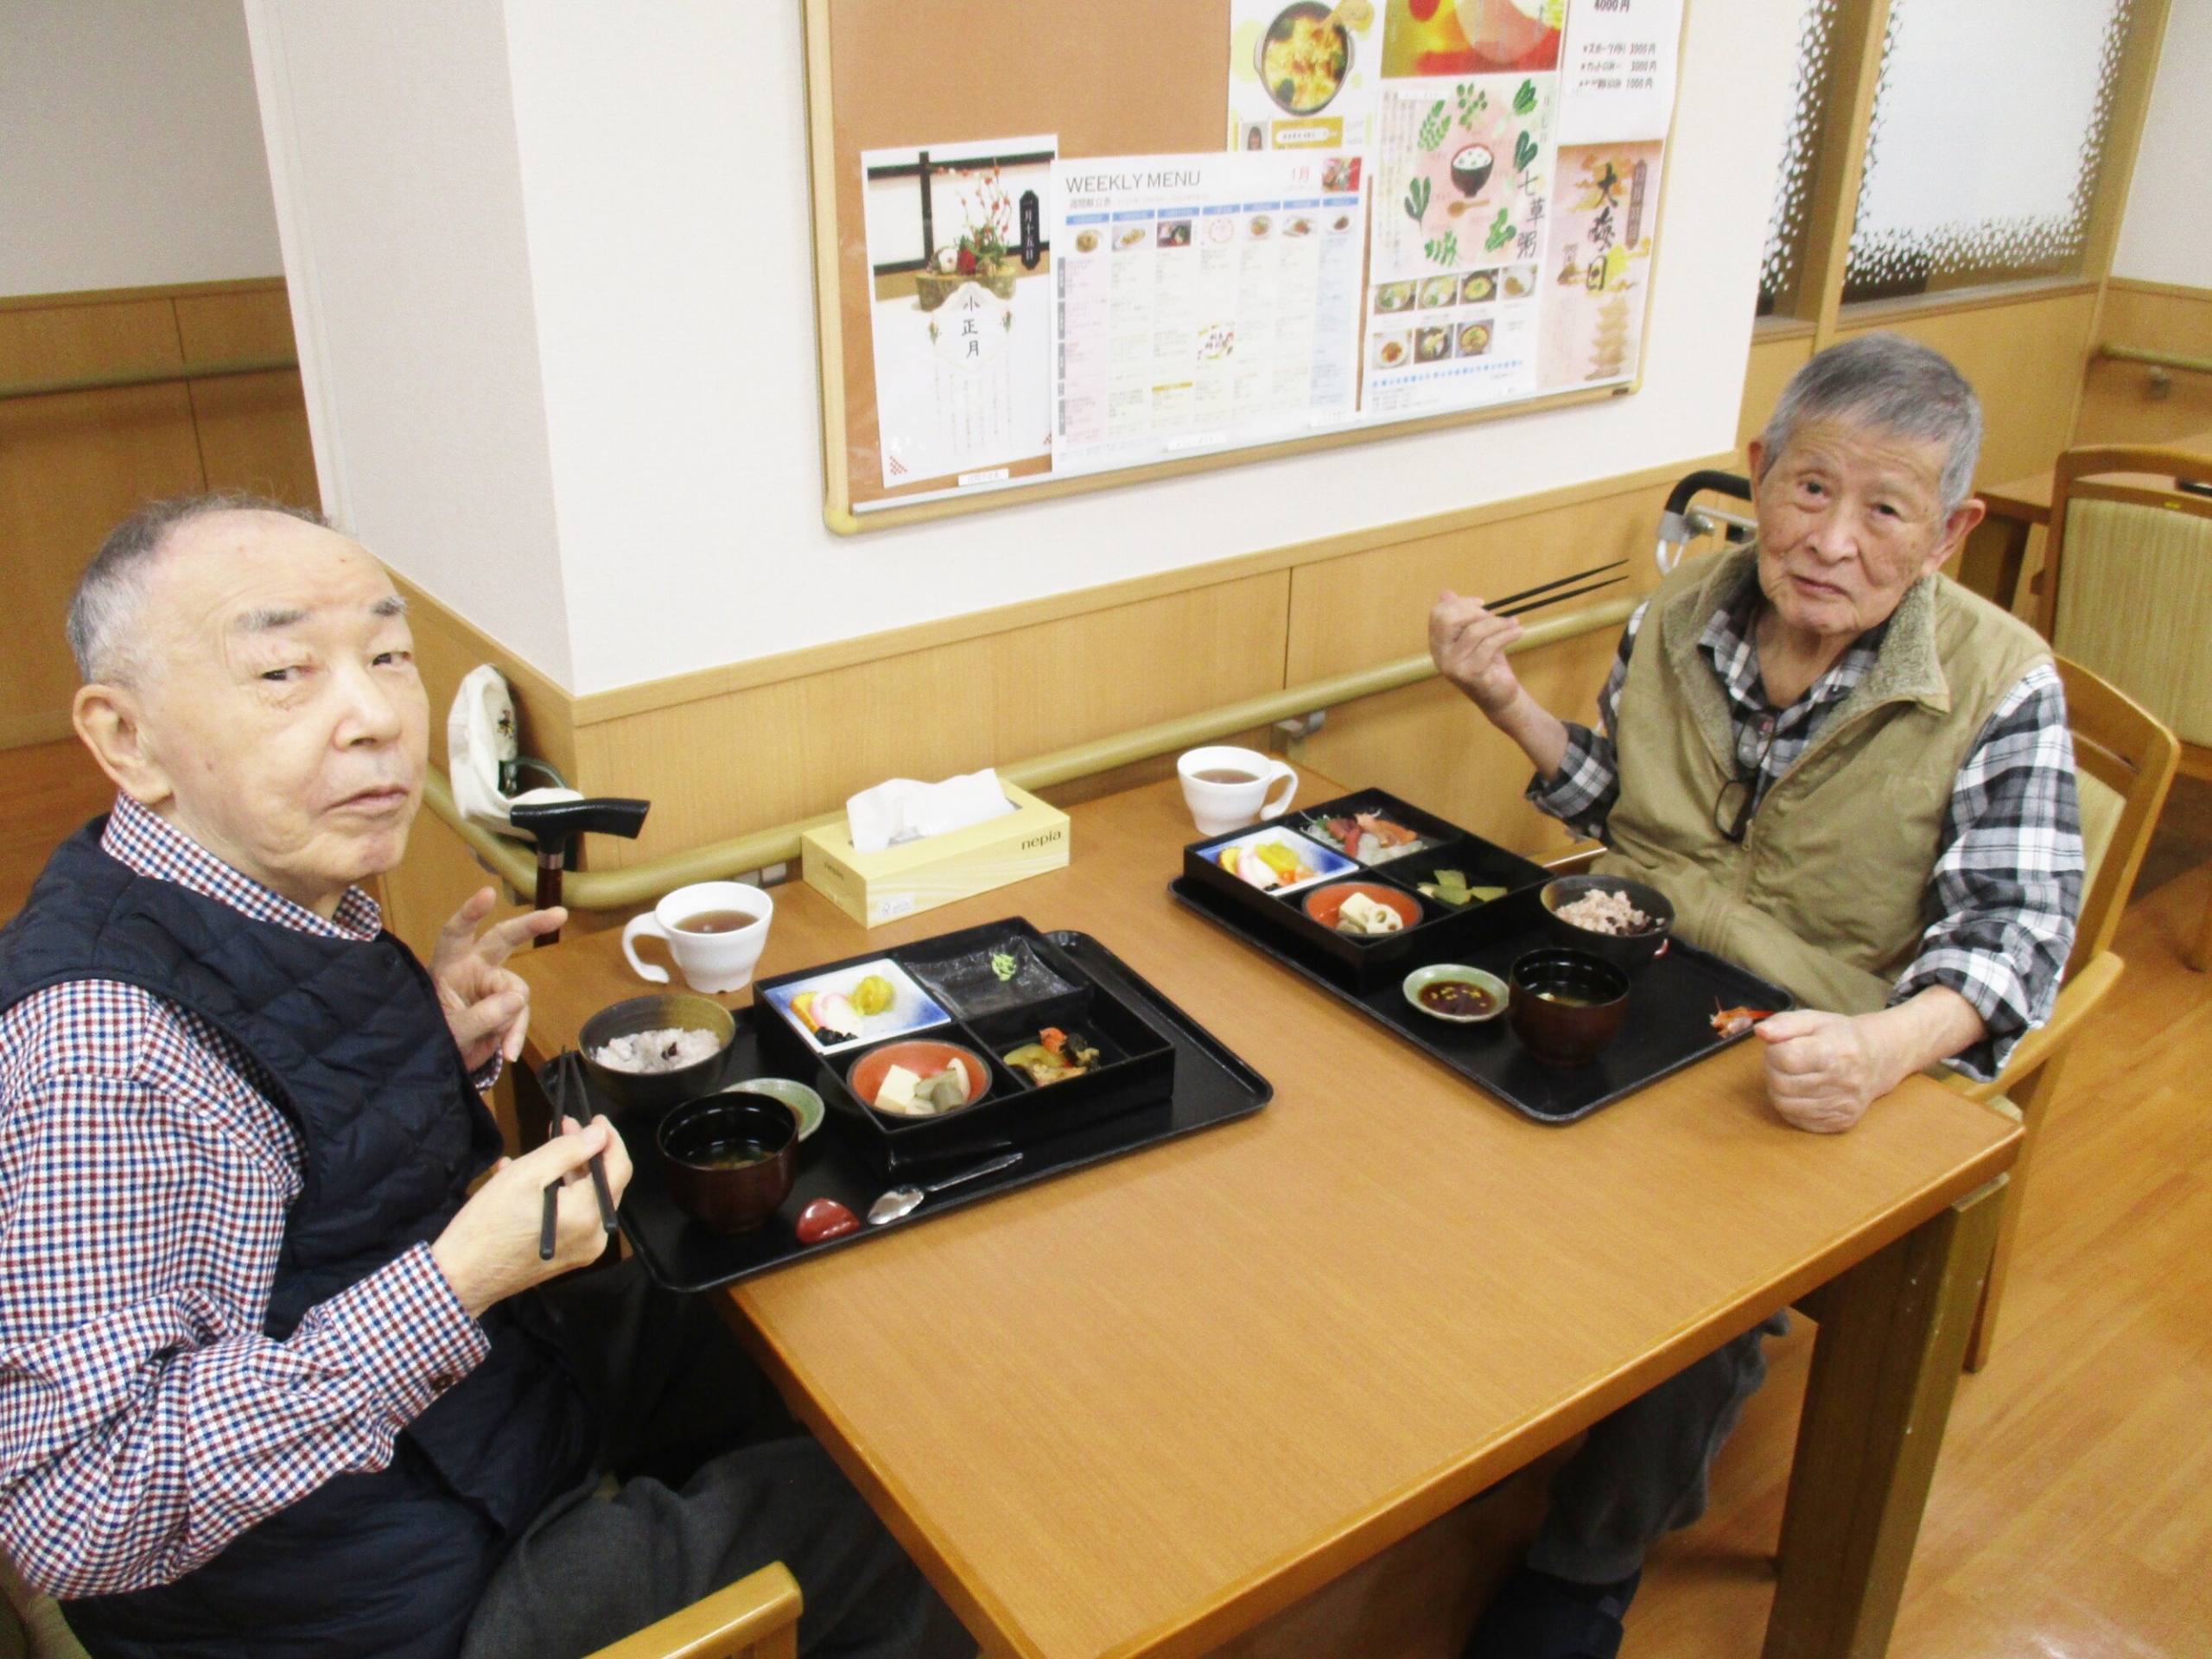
1734,1022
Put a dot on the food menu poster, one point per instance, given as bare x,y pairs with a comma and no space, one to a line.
1204,301
1516,161
1302,76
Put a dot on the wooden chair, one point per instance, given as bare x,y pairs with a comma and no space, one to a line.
31,1625
2124,762
757,1618
2126,589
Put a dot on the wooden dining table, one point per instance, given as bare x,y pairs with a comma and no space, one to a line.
2022,505
1141,1408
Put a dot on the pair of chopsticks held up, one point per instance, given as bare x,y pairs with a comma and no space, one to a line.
1526,599
563,1067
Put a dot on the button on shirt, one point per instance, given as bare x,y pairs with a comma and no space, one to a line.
2008,882
145,1419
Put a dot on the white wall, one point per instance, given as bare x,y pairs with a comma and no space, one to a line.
391,137
2166,236
130,149
662,188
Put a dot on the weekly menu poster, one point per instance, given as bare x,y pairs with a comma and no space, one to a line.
1203,302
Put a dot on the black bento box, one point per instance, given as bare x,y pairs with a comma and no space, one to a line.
1365,960
967,1002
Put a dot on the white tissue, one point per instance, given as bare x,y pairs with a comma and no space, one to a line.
903,809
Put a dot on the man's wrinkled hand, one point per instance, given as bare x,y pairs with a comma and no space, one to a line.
486,1004
1468,646
488,1251
1823,1071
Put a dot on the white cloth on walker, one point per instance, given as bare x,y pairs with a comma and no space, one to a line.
903,809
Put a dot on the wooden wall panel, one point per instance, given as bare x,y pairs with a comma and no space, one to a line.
253,429
1427,742
2025,355
69,467
2117,406
765,755
1776,355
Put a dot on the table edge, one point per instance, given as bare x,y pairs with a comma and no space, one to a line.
1247,1602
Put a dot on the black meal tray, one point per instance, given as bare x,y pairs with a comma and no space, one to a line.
1442,935
1668,1024
1211,1086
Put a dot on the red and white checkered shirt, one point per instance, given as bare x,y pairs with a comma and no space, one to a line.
145,1419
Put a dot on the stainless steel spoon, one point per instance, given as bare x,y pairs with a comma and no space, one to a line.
905,1200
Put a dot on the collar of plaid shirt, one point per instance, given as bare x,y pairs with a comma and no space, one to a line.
149,844
1730,643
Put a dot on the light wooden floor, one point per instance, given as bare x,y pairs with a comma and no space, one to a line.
2072,1514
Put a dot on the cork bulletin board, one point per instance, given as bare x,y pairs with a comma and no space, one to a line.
1138,78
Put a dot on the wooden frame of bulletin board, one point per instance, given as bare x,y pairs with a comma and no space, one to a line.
1141,77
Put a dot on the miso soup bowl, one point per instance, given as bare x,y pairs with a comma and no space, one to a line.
729,1201
1627,951
1567,1033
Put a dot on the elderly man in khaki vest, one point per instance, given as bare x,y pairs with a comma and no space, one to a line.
1848,775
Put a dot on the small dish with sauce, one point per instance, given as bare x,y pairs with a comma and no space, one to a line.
1461,995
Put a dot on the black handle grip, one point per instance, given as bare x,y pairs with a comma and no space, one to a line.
551,823
1733,484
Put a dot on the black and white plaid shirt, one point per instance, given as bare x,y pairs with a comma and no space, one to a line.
2007,885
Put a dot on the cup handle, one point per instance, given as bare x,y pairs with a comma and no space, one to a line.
647,925
1289,794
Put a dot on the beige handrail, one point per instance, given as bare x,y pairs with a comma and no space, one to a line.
642,884
2156,360
145,377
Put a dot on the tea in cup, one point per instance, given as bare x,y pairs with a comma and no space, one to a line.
1227,788
714,930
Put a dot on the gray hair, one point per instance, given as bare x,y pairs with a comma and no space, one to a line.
1892,382
104,608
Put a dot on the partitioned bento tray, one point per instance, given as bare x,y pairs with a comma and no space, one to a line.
1671,1000
1143,1095
1278,914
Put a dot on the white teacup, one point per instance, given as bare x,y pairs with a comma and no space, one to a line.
1227,788
715,950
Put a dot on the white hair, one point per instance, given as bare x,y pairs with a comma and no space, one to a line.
103,612
1898,385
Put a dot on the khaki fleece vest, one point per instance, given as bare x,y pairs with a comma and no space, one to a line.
1828,893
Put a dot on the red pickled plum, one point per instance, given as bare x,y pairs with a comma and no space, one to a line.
823,1220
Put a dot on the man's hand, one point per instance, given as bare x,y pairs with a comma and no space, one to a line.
486,1006
1468,646
489,1250
1823,1071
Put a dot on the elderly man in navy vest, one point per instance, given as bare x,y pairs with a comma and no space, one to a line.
276,1374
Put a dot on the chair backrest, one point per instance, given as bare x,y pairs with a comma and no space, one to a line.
756,1617
2127,579
2124,759
31,1625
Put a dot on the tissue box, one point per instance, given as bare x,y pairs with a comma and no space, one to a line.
919,875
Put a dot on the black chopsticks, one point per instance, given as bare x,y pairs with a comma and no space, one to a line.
550,1221
1499,607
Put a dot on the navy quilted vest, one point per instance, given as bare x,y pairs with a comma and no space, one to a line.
355,1050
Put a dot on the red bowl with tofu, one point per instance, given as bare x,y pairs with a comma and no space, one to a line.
925,1060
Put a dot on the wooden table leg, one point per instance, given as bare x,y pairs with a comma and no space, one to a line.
1893,1331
